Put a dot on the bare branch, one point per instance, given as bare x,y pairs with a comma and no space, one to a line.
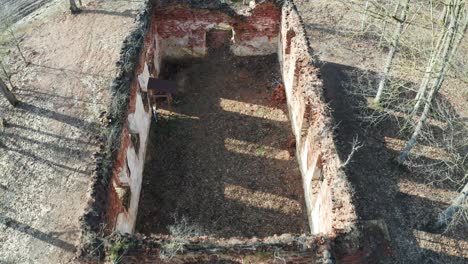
356,145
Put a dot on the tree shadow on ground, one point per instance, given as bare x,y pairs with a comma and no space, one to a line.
67,119
126,13
37,158
37,234
374,175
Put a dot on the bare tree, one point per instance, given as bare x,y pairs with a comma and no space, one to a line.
8,94
456,9
2,122
17,44
364,16
385,22
391,53
432,63
356,145
7,75
447,215
74,7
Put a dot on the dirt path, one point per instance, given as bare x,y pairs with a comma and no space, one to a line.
219,157
47,147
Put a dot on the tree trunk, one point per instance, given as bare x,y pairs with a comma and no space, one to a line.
446,216
2,122
391,54
364,16
8,94
437,83
426,78
18,46
7,75
427,75
384,28
74,8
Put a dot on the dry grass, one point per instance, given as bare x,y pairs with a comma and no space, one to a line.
180,232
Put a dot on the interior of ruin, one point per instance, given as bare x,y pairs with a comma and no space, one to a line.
242,147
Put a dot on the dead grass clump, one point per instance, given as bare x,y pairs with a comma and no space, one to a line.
181,232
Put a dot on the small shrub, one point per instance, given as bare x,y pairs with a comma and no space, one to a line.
181,232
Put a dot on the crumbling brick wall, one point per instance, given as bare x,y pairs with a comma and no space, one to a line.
126,181
182,30
117,179
285,249
327,191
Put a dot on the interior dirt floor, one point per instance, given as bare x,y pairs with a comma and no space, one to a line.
219,157
47,145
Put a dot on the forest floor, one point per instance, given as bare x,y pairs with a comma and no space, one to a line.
220,157
47,146
405,200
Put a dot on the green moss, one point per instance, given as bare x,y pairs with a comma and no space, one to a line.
258,257
119,249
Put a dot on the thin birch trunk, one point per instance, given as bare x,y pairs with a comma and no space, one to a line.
437,83
7,75
17,44
73,7
427,74
2,122
8,94
391,54
364,16
395,11
429,69
446,216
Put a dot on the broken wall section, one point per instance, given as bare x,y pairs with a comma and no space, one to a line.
116,191
126,181
328,193
183,30
114,195
284,248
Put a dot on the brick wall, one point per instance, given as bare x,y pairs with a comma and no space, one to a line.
182,31
126,180
327,191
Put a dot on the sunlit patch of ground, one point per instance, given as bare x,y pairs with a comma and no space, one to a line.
442,244
228,170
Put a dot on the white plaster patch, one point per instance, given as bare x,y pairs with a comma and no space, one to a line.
157,56
143,78
138,122
255,47
176,47
123,174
